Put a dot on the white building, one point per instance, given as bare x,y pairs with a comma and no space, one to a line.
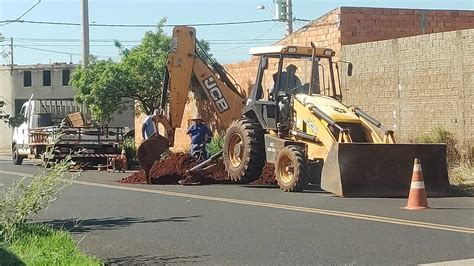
45,81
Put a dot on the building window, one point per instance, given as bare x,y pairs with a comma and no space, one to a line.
26,78
46,77
66,74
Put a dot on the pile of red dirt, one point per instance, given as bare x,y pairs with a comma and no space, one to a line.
173,168
167,171
267,177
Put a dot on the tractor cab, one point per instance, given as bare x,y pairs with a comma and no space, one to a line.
286,71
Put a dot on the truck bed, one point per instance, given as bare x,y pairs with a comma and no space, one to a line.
76,135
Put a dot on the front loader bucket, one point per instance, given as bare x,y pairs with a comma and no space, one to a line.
383,170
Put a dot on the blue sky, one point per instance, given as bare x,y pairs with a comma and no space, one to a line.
228,43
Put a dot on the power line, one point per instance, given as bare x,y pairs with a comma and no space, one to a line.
137,25
22,15
111,40
214,41
46,50
69,40
127,45
54,42
125,41
247,43
57,52
68,45
303,20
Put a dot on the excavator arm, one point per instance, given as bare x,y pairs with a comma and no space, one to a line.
183,61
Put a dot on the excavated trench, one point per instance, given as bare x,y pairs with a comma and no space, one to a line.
174,167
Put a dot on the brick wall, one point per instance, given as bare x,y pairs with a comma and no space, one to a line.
244,73
359,25
351,25
415,84
323,32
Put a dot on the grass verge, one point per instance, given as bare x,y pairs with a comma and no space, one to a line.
461,179
37,244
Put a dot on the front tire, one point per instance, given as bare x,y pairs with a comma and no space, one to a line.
17,158
290,169
244,150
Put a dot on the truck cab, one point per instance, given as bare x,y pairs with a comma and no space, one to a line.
21,132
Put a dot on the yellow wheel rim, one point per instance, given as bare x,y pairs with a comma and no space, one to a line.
286,169
236,152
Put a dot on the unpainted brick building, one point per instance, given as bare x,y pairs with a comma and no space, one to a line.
353,25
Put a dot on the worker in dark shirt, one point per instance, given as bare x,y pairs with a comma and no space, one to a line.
200,134
288,81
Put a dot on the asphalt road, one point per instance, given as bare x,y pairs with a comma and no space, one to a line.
235,224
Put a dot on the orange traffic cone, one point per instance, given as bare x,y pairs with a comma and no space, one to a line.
417,199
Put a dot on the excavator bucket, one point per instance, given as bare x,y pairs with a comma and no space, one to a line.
150,151
383,170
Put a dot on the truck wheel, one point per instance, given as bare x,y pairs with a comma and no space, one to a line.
244,150
17,159
290,169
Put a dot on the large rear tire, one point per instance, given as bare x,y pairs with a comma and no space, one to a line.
290,169
17,158
244,150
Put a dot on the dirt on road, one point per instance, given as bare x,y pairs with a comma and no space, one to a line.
174,167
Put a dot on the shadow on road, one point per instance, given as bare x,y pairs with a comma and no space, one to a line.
142,260
110,223
8,258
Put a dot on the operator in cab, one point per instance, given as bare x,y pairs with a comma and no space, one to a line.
289,83
289,80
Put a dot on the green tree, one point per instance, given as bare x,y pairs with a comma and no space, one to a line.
144,67
106,86
99,86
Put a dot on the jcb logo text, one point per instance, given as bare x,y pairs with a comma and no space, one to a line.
216,94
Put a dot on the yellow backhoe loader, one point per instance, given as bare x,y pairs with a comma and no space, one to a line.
295,119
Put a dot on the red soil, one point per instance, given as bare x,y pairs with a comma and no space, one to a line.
174,167
267,177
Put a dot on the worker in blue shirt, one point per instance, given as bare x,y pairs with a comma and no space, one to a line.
200,134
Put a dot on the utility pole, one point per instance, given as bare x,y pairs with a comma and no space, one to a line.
85,32
289,17
284,13
11,54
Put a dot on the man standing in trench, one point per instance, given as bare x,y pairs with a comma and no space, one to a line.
200,134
